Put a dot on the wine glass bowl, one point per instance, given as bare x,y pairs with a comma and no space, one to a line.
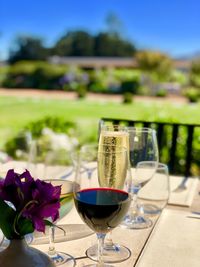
102,209
49,164
155,194
88,154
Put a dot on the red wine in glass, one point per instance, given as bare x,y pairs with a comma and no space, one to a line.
102,209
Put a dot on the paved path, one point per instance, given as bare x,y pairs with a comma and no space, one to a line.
55,94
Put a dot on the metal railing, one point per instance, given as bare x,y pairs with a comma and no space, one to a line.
175,142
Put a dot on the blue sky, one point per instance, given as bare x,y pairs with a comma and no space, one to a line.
171,26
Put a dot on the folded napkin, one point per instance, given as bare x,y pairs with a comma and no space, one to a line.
174,242
185,197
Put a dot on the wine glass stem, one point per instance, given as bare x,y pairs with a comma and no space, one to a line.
51,250
134,210
109,241
100,238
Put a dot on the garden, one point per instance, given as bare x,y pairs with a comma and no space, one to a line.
47,119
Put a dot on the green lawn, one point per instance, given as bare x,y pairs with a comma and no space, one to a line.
16,112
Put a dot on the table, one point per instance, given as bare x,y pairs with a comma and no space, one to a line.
135,240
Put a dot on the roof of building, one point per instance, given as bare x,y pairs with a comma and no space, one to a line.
94,62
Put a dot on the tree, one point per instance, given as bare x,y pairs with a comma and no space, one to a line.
154,62
75,43
112,45
81,43
27,48
194,74
114,24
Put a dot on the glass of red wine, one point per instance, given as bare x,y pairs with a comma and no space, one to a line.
112,160
102,207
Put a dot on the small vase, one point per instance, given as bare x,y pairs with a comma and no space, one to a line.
19,254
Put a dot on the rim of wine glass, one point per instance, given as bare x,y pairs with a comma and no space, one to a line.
140,129
60,181
163,166
106,127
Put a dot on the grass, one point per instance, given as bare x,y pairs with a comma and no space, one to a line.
16,112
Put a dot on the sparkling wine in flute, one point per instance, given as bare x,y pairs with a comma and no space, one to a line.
112,167
112,158
114,138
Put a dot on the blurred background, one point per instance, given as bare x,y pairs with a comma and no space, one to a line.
66,64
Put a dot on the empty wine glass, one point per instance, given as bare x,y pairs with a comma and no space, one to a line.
155,194
52,166
49,164
102,208
88,154
143,155
66,202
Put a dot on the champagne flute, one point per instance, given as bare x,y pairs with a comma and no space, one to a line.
116,135
102,208
144,161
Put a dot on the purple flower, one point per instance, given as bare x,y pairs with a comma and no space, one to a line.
44,204
35,200
16,188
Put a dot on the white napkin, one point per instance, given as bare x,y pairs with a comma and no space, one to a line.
185,197
174,242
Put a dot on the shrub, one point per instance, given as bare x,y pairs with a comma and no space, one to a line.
127,98
81,92
3,73
130,86
27,74
161,93
18,146
192,94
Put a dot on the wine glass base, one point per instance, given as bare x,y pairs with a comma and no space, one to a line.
151,209
111,253
138,222
63,258
97,265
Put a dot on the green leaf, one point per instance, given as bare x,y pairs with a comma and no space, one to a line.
48,223
7,219
24,226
